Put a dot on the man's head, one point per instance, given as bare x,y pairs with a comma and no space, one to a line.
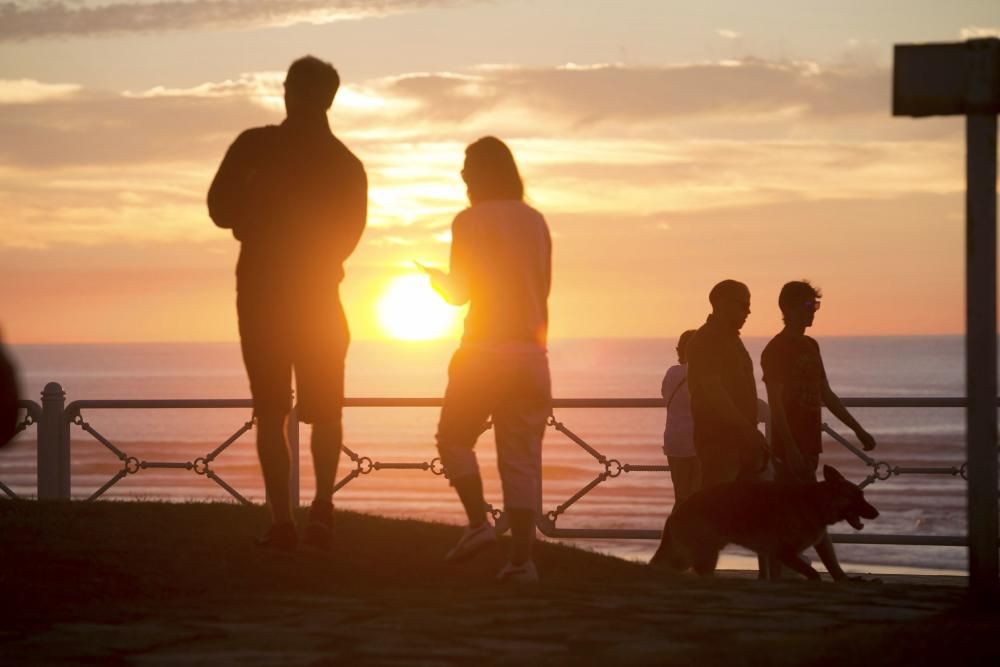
730,301
310,86
799,301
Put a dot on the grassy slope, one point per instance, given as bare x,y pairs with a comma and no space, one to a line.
174,583
67,559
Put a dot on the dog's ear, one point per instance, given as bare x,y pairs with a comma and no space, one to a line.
830,474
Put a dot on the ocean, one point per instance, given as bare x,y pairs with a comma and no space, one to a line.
608,368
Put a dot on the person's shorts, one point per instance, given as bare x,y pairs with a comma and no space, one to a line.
310,337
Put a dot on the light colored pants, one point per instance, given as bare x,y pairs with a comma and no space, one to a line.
510,383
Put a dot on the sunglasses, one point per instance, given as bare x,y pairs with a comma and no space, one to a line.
812,304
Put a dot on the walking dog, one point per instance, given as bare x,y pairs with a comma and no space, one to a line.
776,519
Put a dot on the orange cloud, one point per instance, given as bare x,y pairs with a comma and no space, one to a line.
24,20
656,182
748,86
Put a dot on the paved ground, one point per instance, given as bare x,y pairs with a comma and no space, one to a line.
152,584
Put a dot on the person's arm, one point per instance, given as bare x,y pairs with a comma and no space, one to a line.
670,381
547,277
785,444
352,215
837,409
229,195
454,286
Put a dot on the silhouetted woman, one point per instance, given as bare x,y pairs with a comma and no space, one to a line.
500,264
678,434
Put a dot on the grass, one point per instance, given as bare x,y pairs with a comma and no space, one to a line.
64,559
161,583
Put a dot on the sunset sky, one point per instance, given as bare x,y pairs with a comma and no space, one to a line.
669,144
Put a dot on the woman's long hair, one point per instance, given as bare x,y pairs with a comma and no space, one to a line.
682,345
490,172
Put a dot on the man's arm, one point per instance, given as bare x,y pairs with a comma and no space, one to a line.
836,407
352,215
228,195
548,259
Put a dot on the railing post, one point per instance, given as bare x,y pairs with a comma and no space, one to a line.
292,432
53,445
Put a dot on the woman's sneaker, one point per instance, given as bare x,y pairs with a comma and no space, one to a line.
525,573
473,541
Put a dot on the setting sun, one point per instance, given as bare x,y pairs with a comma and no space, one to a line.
410,309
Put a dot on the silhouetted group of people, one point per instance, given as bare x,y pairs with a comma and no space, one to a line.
711,435
296,199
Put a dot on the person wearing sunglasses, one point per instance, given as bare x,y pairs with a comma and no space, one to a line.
797,391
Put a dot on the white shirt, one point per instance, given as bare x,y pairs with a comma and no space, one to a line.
502,252
678,435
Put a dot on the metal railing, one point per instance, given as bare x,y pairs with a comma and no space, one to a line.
54,419
32,413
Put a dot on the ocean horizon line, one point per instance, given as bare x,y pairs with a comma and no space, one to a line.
441,341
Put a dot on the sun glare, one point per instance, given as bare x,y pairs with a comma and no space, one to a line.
410,309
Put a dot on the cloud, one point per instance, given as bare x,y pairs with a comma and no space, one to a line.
726,33
22,91
255,85
92,207
47,18
748,87
798,166
86,127
747,100
614,141
977,32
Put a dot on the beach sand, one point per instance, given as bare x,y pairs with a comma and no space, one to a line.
159,583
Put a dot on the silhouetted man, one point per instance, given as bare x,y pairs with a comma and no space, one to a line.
797,390
296,198
723,391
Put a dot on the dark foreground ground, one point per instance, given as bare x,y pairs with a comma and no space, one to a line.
159,584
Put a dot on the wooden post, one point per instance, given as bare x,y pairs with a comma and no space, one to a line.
981,351
964,79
